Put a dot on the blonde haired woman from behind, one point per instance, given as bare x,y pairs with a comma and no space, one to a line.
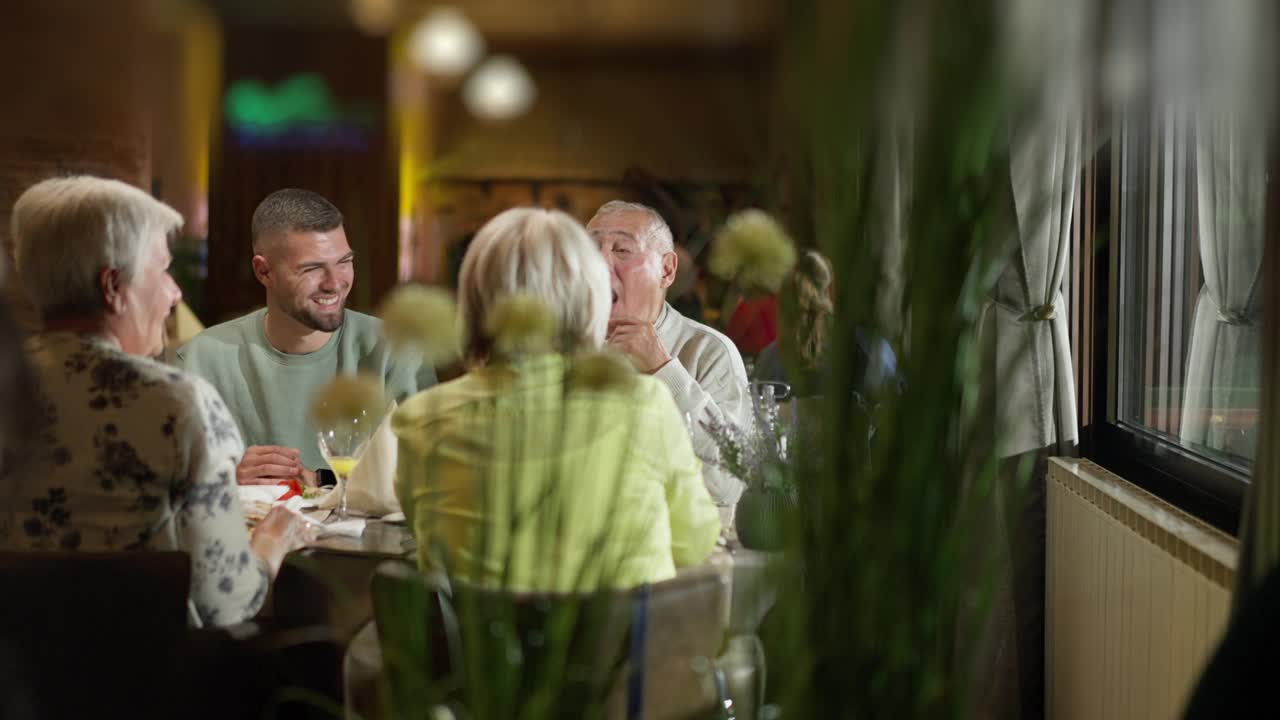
806,332
548,466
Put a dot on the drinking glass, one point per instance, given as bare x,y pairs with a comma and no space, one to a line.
342,444
766,397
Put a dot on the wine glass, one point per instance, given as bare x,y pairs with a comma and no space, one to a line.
342,444
766,397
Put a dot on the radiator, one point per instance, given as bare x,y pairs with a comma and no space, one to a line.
1137,597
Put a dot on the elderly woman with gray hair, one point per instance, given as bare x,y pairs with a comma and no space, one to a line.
548,468
128,454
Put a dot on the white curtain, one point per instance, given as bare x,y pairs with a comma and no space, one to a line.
1026,320
1027,354
1024,329
1223,364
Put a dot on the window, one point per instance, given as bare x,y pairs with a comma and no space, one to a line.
1189,232
1165,287
1165,283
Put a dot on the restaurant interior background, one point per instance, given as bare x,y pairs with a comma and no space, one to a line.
235,99
1142,298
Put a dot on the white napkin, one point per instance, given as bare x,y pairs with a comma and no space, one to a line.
297,503
268,494
371,490
351,527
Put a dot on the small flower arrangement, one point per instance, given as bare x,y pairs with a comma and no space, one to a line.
757,454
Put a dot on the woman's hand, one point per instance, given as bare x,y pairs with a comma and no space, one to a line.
281,532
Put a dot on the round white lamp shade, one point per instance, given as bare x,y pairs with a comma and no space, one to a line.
499,89
445,43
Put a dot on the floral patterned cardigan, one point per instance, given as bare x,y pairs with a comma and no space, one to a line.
129,454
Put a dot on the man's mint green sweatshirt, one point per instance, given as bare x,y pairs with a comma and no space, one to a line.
269,392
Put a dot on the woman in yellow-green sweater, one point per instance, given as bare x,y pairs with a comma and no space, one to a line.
543,470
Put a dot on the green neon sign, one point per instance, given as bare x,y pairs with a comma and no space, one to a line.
300,101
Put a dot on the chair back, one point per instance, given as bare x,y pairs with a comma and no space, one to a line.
687,625
506,654
94,634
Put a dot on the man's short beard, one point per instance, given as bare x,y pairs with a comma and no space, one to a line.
317,323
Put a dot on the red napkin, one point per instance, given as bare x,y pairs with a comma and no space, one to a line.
295,489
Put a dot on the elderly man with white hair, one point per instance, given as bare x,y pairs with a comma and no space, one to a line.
701,367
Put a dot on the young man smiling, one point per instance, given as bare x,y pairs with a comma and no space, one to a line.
268,364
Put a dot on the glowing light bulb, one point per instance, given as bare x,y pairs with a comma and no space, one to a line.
499,89
445,43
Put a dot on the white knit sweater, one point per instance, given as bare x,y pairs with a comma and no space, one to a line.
709,383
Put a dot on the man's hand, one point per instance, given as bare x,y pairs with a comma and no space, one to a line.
638,341
268,465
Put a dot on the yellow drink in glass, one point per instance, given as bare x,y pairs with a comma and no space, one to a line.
342,465
342,447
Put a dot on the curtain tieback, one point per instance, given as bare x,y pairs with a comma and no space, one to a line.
1236,317
1040,313
1036,313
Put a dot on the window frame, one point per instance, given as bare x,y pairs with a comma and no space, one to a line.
1207,488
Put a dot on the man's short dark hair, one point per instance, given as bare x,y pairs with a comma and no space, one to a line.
292,210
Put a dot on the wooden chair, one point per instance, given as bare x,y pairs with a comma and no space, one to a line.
650,651
91,634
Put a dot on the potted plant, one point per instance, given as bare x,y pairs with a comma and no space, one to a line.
757,455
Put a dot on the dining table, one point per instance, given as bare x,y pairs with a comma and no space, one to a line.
327,583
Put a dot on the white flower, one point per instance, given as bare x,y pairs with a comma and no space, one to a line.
521,324
346,398
753,250
602,371
422,319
